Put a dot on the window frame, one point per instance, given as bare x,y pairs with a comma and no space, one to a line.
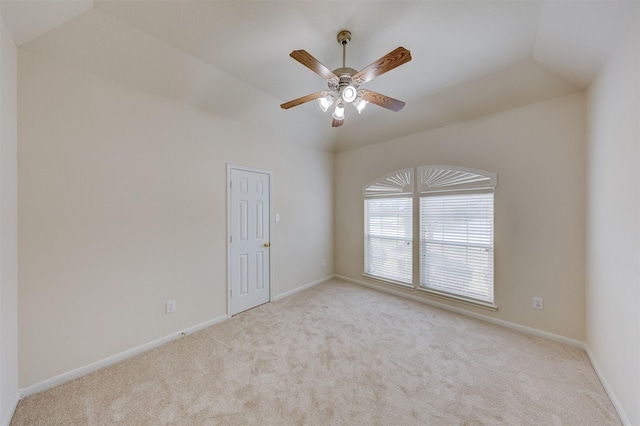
394,242
396,185
424,181
469,258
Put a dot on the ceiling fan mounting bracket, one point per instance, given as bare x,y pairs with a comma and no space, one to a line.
344,37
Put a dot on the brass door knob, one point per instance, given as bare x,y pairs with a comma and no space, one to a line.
266,244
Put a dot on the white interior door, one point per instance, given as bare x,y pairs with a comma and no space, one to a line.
249,244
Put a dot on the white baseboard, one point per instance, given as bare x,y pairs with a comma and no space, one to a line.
532,331
511,325
302,287
605,384
65,377
78,372
12,409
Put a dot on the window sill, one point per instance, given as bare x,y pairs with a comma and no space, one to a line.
453,298
387,281
446,296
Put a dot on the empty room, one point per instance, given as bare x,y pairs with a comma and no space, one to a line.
197,228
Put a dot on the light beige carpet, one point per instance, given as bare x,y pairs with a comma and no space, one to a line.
337,354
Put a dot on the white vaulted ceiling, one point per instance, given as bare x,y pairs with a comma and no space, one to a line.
470,58
27,20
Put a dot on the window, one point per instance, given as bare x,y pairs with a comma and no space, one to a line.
456,244
451,218
388,233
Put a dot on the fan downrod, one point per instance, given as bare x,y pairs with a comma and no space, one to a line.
344,37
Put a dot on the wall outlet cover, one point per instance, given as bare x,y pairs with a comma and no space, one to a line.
538,303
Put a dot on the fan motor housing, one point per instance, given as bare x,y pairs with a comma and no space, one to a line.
345,70
345,75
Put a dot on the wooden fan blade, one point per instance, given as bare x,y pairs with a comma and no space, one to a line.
301,100
382,100
388,62
337,123
314,65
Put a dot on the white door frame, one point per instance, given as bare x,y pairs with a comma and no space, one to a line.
231,167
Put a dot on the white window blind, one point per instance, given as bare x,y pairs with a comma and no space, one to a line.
448,212
456,244
388,248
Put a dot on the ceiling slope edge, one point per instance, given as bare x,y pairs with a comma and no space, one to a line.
575,41
27,20
100,44
521,84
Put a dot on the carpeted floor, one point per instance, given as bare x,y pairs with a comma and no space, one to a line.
337,354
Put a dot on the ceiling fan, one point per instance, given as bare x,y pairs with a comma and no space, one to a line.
344,83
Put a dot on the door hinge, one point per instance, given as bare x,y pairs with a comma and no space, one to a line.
230,238
230,185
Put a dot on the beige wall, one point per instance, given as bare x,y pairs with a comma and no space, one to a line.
613,225
538,153
8,227
123,207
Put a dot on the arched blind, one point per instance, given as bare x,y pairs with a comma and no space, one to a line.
451,178
397,183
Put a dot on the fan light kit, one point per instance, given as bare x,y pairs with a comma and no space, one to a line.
344,83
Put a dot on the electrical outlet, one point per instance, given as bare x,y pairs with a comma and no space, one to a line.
171,306
538,303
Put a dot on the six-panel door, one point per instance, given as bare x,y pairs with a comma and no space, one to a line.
249,239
